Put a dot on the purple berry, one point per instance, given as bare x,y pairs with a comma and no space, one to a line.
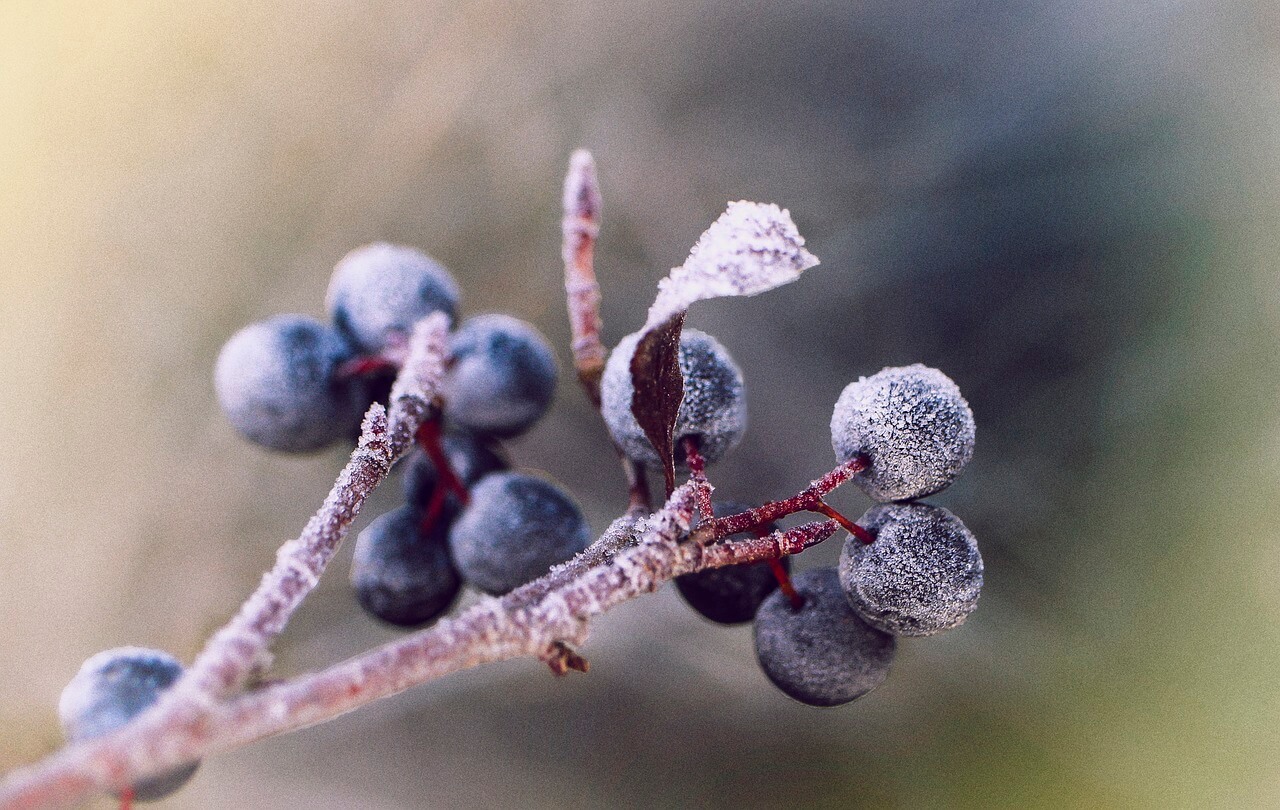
112,688
922,575
378,292
714,408
912,425
821,653
515,527
277,381
503,376
401,575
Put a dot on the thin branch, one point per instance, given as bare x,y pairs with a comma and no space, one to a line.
533,621
581,226
234,653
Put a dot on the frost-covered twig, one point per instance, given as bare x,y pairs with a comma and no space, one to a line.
533,621
581,226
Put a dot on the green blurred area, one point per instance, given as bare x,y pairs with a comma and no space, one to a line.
1068,207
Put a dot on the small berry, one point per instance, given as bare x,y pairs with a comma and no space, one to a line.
821,654
714,408
110,689
399,574
378,292
732,594
276,381
513,530
922,575
503,376
470,457
912,425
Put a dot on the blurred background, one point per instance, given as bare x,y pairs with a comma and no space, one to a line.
1067,206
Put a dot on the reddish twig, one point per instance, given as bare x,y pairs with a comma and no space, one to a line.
580,227
429,441
808,500
698,475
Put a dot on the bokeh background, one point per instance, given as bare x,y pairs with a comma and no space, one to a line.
1068,206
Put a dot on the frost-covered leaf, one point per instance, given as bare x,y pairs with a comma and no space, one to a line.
751,248
659,389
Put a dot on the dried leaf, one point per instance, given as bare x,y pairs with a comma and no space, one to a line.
659,389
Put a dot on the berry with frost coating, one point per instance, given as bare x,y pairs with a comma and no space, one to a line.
922,575
822,653
379,291
714,408
110,689
515,527
732,594
399,574
277,382
912,425
502,378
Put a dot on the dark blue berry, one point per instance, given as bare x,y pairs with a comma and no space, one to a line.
400,574
514,529
821,653
714,408
502,378
471,457
732,594
277,382
922,575
110,689
911,424
379,291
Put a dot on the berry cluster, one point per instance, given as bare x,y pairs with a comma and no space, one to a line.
467,516
907,568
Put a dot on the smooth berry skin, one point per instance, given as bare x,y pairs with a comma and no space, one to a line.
471,457
912,425
515,527
502,377
921,576
379,291
714,408
732,594
822,654
277,382
112,688
400,575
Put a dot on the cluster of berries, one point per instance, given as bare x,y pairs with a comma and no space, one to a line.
912,569
291,383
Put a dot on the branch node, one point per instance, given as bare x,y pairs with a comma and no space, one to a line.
561,659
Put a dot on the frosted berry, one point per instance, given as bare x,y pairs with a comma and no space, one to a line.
110,689
732,594
922,575
515,527
714,408
502,378
401,575
822,653
277,383
470,457
911,424
378,292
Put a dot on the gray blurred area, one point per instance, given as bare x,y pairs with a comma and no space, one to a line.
1068,207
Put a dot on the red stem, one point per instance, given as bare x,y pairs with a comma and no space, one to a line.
810,500
784,583
429,441
126,799
698,474
364,365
